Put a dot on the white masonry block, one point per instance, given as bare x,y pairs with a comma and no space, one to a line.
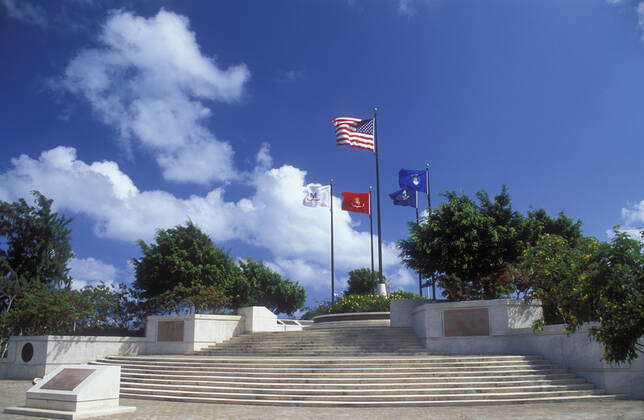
75,392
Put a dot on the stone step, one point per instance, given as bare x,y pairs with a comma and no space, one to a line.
329,367
359,386
393,391
349,343
351,367
375,404
292,349
351,380
336,370
326,361
384,333
397,375
359,398
310,354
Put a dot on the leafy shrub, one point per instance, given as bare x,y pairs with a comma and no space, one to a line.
359,303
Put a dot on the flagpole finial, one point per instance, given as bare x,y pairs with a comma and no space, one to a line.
375,109
370,188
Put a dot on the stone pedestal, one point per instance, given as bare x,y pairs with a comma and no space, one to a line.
75,392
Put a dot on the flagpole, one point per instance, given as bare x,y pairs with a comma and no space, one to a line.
332,261
382,287
420,278
429,209
371,228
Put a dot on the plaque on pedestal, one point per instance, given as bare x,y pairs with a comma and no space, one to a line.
75,392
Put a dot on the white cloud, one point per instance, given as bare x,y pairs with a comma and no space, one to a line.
312,276
90,272
273,217
150,81
25,11
405,7
640,16
632,220
402,278
634,216
290,75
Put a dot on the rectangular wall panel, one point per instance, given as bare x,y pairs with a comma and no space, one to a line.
170,331
466,322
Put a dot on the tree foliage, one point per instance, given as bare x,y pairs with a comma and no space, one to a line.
185,255
42,310
560,275
269,289
363,281
184,260
467,245
36,246
188,299
115,310
589,281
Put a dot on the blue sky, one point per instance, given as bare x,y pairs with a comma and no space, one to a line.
140,115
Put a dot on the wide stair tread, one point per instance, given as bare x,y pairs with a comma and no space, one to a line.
355,367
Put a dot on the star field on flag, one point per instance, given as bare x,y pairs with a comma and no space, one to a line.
354,132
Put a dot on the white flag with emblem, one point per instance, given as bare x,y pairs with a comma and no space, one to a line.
317,195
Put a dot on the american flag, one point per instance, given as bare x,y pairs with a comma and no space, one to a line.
354,132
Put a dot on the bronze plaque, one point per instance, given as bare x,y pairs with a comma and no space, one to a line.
466,322
170,331
67,379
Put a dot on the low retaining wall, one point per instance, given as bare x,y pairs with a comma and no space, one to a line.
504,326
182,334
33,357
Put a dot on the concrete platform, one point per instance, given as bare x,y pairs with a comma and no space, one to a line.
13,394
67,415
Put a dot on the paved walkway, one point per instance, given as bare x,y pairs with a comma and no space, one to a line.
12,393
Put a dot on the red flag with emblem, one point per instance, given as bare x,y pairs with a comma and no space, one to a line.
358,202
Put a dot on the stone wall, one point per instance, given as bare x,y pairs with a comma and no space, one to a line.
457,328
34,357
182,334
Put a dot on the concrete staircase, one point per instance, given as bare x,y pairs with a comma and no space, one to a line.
331,341
320,368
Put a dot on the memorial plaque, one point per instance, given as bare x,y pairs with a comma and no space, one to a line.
466,322
67,379
170,331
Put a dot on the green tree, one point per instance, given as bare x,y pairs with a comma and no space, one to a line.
42,310
115,309
185,255
190,299
37,246
467,245
589,281
559,274
363,281
269,289
618,285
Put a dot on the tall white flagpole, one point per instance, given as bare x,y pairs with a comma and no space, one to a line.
382,288
332,260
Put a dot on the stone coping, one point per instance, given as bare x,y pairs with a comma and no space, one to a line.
88,338
351,316
209,317
476,304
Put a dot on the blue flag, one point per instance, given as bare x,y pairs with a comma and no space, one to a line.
413,180
404,198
